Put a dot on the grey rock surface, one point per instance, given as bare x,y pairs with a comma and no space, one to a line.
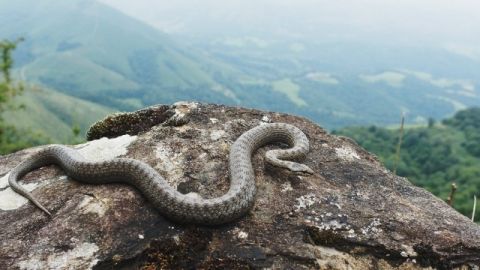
351,214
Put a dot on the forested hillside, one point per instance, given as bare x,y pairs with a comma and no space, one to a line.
432,157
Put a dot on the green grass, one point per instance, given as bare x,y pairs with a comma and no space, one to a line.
75,67
53,114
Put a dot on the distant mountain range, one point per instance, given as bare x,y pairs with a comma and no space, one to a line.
91,60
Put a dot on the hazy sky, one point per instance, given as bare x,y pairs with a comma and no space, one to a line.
445,23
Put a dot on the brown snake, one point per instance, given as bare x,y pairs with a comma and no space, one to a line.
184,208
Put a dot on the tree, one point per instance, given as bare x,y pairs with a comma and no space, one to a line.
10,138
8,88
431,122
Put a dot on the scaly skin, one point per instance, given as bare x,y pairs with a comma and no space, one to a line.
184,208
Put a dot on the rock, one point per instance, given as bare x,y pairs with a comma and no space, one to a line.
351,214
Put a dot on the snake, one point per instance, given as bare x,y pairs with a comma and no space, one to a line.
179,207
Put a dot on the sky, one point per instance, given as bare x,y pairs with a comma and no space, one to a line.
454,25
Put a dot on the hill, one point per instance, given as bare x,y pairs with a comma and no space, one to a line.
90,59
432,157
350,83
92,52
52,115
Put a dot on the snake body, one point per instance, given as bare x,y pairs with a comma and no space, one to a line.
184,208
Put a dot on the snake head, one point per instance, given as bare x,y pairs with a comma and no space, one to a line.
297,167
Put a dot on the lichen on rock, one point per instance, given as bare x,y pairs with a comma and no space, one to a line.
351,213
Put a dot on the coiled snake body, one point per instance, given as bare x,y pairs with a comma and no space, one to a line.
185,208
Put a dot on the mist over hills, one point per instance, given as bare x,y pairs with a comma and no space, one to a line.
94,54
